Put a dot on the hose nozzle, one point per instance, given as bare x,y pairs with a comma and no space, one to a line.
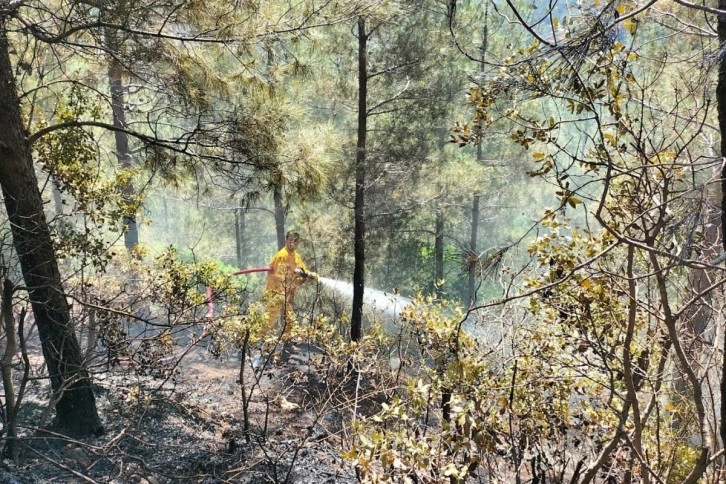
307,275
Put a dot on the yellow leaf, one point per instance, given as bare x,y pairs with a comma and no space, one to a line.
631,25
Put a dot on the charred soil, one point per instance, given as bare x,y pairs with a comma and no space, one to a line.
190,426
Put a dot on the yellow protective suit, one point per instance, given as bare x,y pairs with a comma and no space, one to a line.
282,282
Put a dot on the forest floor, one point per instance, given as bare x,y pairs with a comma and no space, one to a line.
191,427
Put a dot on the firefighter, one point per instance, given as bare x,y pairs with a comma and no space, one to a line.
288,272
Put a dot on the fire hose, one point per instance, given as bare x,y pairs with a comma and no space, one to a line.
210,303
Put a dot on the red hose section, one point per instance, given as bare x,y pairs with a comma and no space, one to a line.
254,269
210,316
210,303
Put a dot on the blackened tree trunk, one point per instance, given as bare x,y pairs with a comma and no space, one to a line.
75,404
721,104
6,366
356,320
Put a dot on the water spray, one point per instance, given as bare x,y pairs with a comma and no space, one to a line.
388,304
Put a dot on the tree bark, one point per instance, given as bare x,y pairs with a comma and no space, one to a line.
356,320
279,218
123,154
6,366
75,404
439,246
239,232
721,105
482,78
473,249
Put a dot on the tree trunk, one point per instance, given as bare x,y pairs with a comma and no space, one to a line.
439,247
6,366
123,155
472,247
239,232
721,105
482,77
75,405
356,320
279,218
